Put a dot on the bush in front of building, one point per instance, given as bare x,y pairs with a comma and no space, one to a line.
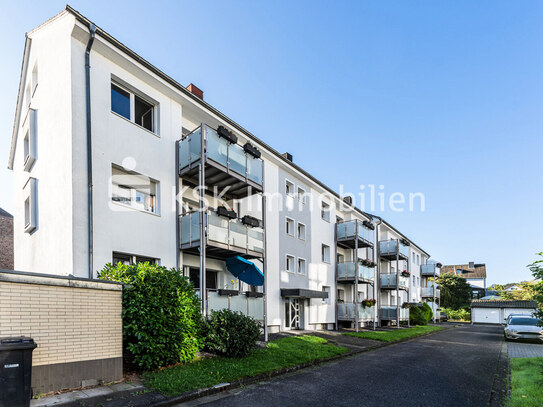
457,315
420,315
230,333
162,323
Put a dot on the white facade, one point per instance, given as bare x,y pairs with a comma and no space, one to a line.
54,69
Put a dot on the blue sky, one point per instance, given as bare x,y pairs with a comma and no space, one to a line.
444,98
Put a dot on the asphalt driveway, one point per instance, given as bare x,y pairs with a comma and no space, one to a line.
452,368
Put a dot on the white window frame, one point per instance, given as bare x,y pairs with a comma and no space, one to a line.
30,137
133,93
304,262
323,257
304,229
325,208
30,219
293,258
302,196
289,221
34,79
327,289
287,183
133,191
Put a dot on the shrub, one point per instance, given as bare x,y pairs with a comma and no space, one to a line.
458,315
420,315
231,334
162,322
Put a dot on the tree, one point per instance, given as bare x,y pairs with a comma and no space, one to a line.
537,271
526,291
455,292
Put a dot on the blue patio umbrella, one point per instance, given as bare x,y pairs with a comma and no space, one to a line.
245,270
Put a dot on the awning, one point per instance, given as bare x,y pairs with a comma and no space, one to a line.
302,293
245,270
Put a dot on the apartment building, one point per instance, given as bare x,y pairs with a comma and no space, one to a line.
114,161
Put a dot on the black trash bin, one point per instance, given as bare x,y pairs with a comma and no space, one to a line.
15,371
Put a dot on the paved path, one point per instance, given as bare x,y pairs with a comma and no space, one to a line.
525,350
452,368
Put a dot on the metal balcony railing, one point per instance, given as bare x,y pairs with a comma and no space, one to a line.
352,229
230,233
250,306
428,270
346,310
231,156
430,291
389,281
389,248
390,311
347,271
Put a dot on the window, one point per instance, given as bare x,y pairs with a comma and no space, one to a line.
130,259
301,231
325,253
289,226
413,258
211,278
326,289
289,263
134,190
289,188
418,259
325,211
30,137
301,195
30,205
34,79
301,266
28,95
132,107
340,258
340,295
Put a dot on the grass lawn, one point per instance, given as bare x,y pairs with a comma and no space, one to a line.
526,382
394,335
281,353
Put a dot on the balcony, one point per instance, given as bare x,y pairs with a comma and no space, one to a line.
430,292
429,270
225,237
392,250
388,282
247,305
227,164
346,312
346,273
348,232
389,312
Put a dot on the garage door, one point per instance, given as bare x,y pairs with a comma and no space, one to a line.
486,315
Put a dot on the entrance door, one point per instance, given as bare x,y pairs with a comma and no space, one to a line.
293,310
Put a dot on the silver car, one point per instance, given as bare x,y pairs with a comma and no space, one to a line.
516,315
523,327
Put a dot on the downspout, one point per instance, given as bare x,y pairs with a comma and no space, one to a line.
377,284
92,29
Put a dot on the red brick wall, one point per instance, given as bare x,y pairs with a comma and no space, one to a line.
6,243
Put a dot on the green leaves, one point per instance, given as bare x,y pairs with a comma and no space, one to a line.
455,292
162,324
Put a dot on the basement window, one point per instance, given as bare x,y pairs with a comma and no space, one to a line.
134,190
133,107
30,205
130,259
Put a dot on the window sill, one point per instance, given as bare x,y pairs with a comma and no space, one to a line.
134,209
135,124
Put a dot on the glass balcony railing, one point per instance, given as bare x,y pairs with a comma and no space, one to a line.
351,228
389,281
346,310
347,271
230,156
429,292
429,270
389,248
390,312
230,232
250,306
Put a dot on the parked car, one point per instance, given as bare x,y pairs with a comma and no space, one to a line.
443,317
523,327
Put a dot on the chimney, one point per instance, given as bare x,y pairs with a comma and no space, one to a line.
196,91
288,156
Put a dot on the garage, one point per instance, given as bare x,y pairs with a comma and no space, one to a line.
495,311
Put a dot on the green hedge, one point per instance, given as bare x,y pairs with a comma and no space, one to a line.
162,323
231,334
420,315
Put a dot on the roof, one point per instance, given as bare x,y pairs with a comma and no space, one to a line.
504,304
5,214
172,82
479,271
